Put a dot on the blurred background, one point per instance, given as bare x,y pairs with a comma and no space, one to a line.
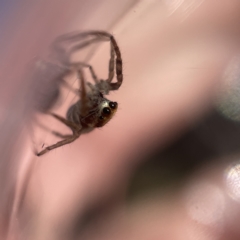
166,166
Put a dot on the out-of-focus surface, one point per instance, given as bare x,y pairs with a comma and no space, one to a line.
175,56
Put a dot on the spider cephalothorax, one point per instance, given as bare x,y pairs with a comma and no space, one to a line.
97,116
92,110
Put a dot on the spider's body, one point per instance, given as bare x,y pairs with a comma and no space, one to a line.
92,110
98,115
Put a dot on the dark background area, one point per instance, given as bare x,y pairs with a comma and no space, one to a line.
209,142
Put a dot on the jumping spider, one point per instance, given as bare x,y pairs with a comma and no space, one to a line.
92,110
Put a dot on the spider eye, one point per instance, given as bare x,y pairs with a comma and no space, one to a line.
106,111
101,117
113,105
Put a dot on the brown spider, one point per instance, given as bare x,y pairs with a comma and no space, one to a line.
92,110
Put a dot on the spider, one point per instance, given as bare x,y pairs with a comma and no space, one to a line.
92,110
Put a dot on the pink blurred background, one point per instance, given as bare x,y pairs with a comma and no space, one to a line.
175,55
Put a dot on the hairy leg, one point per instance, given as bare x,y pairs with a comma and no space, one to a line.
68,140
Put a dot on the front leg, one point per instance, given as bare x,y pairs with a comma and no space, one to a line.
55,133
68,140
68,123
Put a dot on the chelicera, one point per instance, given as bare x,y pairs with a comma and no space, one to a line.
93,109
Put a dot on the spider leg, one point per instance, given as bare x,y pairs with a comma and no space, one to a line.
72,38
92,72
111,64
118,62
68,123
64,54
83,95
57,134
85,44
68,140
116,85
78,36
53,132
80,65
114,51
69,87
114,46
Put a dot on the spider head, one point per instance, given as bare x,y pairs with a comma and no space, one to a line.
106,111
